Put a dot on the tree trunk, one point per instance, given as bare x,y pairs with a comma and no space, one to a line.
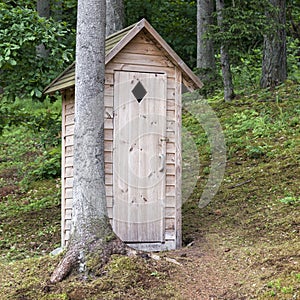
57,10
205,51
115,16
43,9
274,63
92,239
225,62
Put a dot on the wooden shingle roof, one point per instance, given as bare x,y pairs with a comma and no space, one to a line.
115,43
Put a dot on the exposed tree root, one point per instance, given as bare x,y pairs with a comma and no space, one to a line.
89,259
65,266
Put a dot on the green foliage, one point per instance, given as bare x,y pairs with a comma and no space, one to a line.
31,138
47,165
253,126
43,119
175,20
291,200
244,24
247,72
293,58
23,72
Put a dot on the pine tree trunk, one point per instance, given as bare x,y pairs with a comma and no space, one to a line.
43,9
115,16
205,51
56,10
92,239
274,63
225,61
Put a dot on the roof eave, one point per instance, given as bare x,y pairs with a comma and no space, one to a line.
47,89
191,81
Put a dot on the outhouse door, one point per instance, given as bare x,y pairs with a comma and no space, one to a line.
139,156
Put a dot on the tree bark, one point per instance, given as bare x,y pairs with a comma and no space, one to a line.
115,16
274,63
225,61
205,51
57,10
43,10
92,239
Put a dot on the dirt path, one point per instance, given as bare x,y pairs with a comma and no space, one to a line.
205,274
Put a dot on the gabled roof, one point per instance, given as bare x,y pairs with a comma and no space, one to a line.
115,43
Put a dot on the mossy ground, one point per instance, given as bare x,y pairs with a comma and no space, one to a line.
246,241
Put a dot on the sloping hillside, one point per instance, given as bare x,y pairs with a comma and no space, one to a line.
244,244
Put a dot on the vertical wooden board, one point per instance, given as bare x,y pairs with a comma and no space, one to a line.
69,150
108,179
139,130
68,214
108,156
69,129
69,140
108,123
109,190
63,168
66,237
69,119
109,201
69,193
171,179
69,182
109,112
170,235
108,168
171,96
67,164
170,212
170,200
178,157
126,66
170,191
68,172
69,161
170,157
170,224
170,169
68,203
108,134
68,224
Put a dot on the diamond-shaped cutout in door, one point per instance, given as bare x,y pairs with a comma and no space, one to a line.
139,92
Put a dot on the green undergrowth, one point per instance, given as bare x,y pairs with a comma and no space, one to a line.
256,212
253,220
29,187
122,278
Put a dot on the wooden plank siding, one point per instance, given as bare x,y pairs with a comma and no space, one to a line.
68,106
178,156
140,55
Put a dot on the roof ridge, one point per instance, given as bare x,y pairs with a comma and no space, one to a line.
115,43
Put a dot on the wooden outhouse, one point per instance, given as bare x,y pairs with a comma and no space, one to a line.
142,137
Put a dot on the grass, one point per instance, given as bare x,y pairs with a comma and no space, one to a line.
253,220
256,210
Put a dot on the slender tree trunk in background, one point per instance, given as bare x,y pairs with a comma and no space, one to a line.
225,62
43,9
56,10
274,63
115,16
205,51
92,238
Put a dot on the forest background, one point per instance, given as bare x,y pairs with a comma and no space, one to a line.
261,125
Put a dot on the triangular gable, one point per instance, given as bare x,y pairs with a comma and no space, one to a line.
115,43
